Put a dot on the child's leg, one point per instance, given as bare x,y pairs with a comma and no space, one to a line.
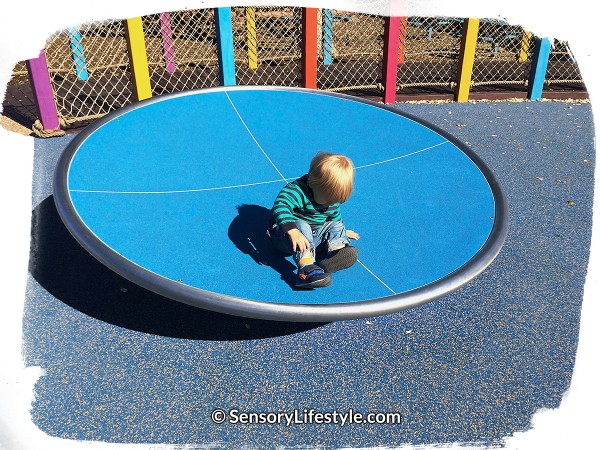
333,234
340,255
309,274
283,243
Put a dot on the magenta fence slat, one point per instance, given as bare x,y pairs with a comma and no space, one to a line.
43,92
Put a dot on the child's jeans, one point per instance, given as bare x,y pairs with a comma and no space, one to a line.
331,234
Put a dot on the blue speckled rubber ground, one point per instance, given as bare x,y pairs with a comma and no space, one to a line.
125,365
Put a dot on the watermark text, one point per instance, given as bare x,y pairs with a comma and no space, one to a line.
304,417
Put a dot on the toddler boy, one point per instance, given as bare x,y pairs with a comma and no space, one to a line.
306,216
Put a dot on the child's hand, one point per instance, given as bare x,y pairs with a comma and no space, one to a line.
352,235
299,241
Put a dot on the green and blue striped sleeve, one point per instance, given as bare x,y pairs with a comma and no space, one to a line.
289,198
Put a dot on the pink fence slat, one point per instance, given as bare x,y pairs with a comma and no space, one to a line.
167,42
390,58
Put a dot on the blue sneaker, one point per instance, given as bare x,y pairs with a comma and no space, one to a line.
312,276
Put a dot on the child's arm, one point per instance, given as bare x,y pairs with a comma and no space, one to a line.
283,208
290,197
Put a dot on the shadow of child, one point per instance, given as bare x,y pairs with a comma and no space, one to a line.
248,231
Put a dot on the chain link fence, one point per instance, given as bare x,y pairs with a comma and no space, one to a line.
182,51
350,49
502,57
267,45
563,71
428,54
89,70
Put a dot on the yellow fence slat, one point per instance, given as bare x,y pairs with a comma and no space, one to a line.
251,38
466,59
138,58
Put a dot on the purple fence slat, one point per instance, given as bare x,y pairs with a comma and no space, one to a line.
42,91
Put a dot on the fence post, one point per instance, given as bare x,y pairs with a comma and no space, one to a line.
539,65
42,91
226,56
466,59
167,42
309,47
138,59
78,54
391,41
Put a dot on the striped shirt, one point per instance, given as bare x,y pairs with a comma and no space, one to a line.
296,202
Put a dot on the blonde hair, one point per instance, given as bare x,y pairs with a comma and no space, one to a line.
332,175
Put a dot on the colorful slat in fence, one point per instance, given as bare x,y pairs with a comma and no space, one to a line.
402,33
539,65
43,92
466,59
309,47
134,33
225,52
327,43
251,41
78,54
167,42
526,42
391,39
